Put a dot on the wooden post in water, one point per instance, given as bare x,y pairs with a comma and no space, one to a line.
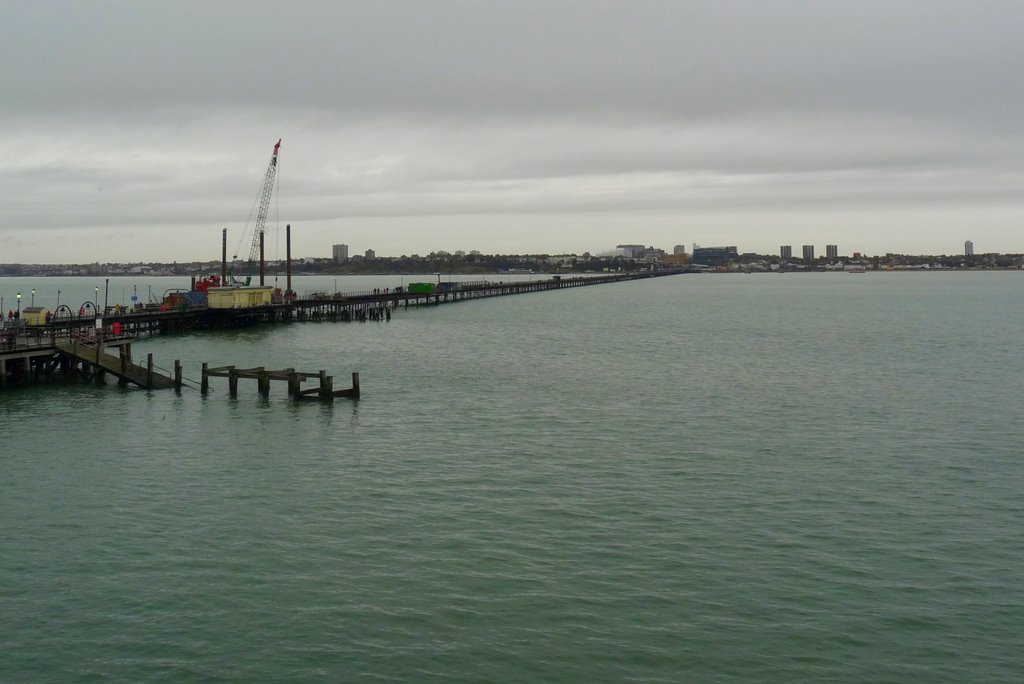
204,387
262,262
293,383
177,374
355,384
263,383
327,389
323,384
288,258
149,371
232,382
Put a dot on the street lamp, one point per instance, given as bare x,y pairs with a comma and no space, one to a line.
33,296
19,306
95,300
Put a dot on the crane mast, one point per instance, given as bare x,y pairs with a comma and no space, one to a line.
261,214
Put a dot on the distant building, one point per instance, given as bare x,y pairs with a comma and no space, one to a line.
786,251
370,254
679,249
831,252
808,253
340,253
630,251
714,256
968,248
652,254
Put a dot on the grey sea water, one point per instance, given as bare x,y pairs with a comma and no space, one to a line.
706,478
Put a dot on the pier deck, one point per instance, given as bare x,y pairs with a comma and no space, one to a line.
70,344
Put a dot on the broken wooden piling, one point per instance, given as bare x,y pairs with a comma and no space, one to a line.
324,391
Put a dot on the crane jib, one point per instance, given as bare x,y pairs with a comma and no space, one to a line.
261,215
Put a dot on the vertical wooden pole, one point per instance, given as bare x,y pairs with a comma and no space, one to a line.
232,382
293,383
204,387
263,384
149,371
262,262
177,374
288,257
323,383
355,384
327,390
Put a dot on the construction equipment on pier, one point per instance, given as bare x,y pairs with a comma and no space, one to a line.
256,246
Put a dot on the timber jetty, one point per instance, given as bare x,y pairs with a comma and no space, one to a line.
91,346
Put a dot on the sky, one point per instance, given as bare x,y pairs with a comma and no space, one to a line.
136,131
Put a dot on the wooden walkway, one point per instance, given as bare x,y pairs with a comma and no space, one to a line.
375,305
121,366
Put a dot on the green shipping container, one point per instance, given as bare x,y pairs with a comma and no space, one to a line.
421,288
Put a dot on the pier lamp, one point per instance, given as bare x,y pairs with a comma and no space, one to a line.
33,296
19,305
95,299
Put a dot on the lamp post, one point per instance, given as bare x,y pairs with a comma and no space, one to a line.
95,301
33,296
19,306
58,300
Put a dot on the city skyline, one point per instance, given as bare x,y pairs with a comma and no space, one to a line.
131,135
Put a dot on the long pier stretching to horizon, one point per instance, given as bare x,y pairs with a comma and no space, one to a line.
79,347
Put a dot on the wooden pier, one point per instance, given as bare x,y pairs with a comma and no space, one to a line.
79,346
378,305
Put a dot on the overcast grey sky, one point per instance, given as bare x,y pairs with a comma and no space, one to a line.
135,131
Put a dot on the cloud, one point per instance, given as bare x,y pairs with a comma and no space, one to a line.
144,117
